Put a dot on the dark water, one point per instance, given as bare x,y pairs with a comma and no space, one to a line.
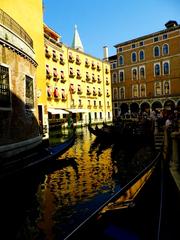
49,202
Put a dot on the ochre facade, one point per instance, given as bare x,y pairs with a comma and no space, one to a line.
145,72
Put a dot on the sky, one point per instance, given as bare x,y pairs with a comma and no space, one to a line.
108,22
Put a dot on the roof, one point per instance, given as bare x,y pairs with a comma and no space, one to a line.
169,29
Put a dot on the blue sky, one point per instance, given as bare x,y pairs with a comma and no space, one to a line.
108,22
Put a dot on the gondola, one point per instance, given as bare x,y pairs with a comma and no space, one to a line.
130,132
38,158
132,205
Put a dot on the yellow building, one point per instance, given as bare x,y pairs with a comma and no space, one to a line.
21,12
21,72
76,82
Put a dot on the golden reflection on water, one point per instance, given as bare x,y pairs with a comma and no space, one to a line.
89,175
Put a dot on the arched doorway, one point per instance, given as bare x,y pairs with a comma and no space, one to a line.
124,108
145,107
134,107
169,105
156,106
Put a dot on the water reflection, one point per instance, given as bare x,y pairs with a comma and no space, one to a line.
71,194
59,197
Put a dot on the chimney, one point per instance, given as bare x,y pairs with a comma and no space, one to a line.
105,53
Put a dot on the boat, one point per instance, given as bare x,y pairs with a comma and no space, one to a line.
36,158
135,202
129,132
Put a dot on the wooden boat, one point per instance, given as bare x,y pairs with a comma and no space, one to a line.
134,132
41,156
125,206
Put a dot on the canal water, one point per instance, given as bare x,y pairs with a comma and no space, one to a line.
49,202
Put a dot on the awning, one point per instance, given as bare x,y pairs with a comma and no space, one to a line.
80,110
57,111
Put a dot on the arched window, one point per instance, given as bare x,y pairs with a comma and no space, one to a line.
156,51
133,57
157,88
115,93
141,55
121,60
157,69
142,73
143,90
166,68
135,91
166,88
121,76
134,74
165,49
114,78
122,93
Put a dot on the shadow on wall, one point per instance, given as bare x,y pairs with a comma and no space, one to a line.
17,123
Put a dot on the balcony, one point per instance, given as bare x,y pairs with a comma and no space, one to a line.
99,94
88,79
93,66
87,64
78,61
107,71
78,76
54,58
79,92
61,61
88,93
98,68
71,75
47,53
48,75
63,80
71,59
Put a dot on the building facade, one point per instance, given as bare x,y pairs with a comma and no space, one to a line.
76,83
23,105
19,129
145,72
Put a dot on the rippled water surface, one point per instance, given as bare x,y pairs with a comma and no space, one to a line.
55,200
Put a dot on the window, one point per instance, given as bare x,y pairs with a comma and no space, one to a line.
157,69
134,74
5,100
156,39
157,88
142,73
100,115
143,90
114,78
165,49
122,93
115,93
156,51
141,55
141,43
166,88
120,49
135,90
133,45
121,60
121,76
29,91
95,115
166,67
133,57
113,65
164,36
